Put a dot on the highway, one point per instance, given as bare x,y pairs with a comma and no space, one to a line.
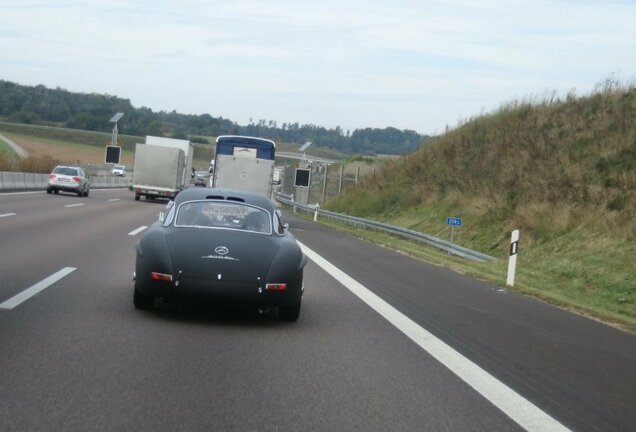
384,342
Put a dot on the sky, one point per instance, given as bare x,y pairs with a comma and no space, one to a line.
410,64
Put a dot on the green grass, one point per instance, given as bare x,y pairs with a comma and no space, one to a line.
574,276
93,138
65,149
8,151
8,156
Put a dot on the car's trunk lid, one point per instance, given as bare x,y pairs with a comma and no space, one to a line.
217,254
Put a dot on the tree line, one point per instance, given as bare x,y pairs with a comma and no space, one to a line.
59,107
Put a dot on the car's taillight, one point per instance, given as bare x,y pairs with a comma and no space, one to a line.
276,286
161,277
52,176
77,179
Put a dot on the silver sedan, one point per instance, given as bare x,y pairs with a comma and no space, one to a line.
68,179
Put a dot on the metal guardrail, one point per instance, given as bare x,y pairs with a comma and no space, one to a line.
404,232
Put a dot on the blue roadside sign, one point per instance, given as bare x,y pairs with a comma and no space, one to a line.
453,221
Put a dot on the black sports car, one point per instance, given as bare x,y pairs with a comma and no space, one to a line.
223,244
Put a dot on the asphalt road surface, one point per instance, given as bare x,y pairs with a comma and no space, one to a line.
383,342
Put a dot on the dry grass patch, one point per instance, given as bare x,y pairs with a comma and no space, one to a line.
70,153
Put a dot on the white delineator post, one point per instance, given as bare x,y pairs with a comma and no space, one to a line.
316,212
512,261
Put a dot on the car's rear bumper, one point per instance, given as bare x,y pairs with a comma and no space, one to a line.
65,186
222,291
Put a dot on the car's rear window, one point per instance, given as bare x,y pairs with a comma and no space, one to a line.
65,171
223,214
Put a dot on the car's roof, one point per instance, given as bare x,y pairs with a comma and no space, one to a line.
67,166
244,139
253,198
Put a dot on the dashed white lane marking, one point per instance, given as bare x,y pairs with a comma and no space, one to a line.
74,205
137,231
7,215
42,285
114,199
523,412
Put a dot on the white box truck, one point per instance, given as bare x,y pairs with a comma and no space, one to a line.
244,163
162,167
186,146
278,175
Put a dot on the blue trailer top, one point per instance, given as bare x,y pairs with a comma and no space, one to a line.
265,149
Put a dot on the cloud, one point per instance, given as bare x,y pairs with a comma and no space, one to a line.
412,64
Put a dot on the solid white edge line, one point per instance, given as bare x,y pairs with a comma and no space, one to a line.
523,412
138,230
43,191
33,290
7,214
22,193
74,205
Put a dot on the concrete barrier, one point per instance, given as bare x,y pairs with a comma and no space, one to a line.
120,182
16,181
41,181
4,180
109,182
22,181
29,181
8,180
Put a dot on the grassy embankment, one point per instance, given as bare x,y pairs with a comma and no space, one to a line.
561,171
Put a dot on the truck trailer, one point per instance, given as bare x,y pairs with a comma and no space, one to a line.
244,163
162,167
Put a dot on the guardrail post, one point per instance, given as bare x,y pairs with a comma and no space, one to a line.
316,212
512,261
324,185
294,202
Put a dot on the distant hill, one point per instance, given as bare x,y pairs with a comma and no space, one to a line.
59,107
